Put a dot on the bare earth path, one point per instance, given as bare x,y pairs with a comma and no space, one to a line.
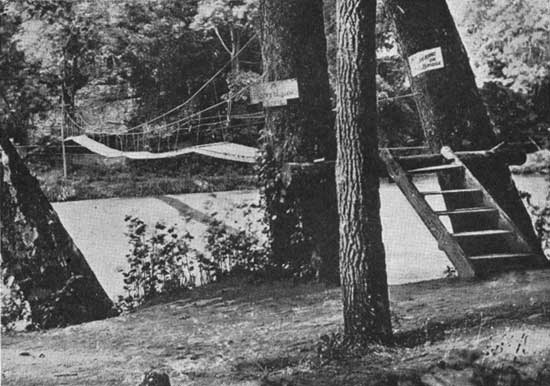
238,334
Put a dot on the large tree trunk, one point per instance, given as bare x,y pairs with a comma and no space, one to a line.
449,104
37,251
294,46
362,257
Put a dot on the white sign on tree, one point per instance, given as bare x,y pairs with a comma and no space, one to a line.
426,60
276,93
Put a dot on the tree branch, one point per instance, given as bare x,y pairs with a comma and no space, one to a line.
222,41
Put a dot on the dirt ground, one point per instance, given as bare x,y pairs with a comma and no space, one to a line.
448,332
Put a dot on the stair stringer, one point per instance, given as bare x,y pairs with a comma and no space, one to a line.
504,221
445,240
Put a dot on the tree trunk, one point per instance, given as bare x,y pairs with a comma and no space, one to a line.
294,46
362,257
41,256
235,69
68,95
235,47
72,78
451,110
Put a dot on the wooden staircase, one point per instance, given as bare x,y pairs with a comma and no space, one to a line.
483,238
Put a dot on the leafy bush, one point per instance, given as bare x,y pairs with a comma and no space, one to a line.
514,113
541,213
234,253
238,252
59,191
15,309
160,262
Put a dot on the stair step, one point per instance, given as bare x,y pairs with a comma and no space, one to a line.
489,232
433,169
465,211
499,256
450,191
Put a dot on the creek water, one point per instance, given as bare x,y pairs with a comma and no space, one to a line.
98,228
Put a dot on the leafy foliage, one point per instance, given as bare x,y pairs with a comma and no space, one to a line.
240,253
238,14
289,247
165,60
160,262
541,213
508,40
23,89
79,36
514,113
15,309
398,122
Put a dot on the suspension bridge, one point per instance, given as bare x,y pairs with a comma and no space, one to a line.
171,135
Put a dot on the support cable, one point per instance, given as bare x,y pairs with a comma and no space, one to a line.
212,78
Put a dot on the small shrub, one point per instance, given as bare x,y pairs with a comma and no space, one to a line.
240,252
15,309
160,262
541,213
59,191
237,253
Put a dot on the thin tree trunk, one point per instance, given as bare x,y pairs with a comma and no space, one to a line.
235,69
69,86
451,110
235,47
362,257
294,46
38,252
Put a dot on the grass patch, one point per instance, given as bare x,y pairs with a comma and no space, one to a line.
142,179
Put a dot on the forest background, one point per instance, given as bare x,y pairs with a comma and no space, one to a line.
114,66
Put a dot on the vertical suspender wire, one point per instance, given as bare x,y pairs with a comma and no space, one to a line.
176,141
212,78
63,152
145,139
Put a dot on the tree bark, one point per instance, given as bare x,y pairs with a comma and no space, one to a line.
451,110
37,251
294,46
362,256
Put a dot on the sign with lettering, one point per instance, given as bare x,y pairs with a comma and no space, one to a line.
276,93
426,60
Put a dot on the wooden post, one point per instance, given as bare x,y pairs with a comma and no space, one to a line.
63,153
